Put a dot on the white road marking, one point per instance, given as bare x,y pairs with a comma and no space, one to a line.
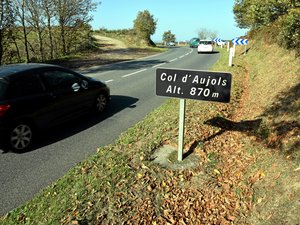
130,74
158,65
139,71
173,60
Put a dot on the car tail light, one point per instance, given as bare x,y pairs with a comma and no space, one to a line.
3,109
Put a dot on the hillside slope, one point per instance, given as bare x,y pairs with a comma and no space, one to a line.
274,96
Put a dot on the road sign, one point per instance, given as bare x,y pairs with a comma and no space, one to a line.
218,40
193,84
239,41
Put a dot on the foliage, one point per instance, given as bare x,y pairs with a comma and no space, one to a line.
70,13
6,24
41,30
116,32
169,37
255,14
204,33
290,32
145,25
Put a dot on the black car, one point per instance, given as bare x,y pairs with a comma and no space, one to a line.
37,96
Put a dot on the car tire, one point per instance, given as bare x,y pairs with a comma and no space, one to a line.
21,136
101,103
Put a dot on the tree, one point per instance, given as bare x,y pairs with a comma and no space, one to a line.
168,37
257,13
289,35
21,11
284,14
206,34
145,26
36,19
43,29
6,25
70,11
48,7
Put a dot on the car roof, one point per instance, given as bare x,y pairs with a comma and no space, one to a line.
7,70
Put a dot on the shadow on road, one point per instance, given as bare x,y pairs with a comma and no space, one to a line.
50,136
128,65
208,53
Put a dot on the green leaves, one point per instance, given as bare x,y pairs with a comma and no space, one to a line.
168,36
290,32
254,14
145,25
257,13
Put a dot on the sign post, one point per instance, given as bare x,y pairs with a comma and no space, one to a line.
181,128
230,56
240,41
192,84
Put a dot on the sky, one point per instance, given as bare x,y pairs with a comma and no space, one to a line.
183,18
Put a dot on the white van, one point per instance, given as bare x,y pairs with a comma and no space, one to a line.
205,46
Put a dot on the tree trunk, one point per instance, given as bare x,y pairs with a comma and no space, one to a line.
1,46
63,39
50,38
41,44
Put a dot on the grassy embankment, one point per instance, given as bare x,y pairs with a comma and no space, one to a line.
107,48
248,151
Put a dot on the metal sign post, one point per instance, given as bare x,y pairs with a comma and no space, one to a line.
230,56
181,128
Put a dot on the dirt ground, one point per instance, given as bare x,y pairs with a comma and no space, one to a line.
107,50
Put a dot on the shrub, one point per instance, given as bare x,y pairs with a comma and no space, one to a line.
289,36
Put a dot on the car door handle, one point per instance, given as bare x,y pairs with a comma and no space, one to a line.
75,87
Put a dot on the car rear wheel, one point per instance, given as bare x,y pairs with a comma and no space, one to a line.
101,102
21,136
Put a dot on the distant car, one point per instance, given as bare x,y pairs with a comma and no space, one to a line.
171,43
34,97
205,46
194,42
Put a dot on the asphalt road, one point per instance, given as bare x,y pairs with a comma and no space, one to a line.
132,86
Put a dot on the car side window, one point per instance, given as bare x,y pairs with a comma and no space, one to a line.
25,85
59,80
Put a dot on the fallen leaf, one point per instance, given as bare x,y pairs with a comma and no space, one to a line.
139,175
217,171
297,169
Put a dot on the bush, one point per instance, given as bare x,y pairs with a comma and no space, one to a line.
289,36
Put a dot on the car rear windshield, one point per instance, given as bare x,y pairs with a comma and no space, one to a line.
3,87
205,42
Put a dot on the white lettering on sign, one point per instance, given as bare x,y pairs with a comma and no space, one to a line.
173,90
208,81
200,85
170,78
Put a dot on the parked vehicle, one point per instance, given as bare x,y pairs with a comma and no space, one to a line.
194,42
205,46
34,97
